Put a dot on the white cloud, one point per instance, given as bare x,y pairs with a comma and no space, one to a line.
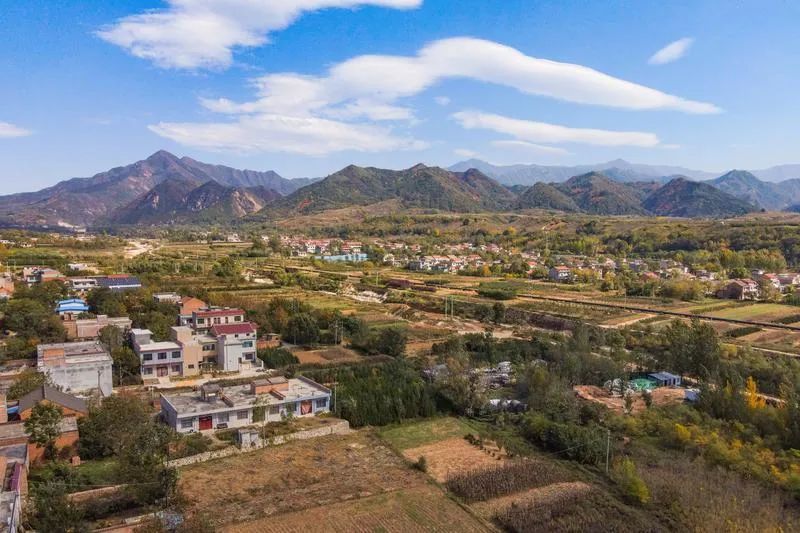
377,78
529,148
542,132
672,52
442,100
204,33
463,152
8,130
352,96
278,133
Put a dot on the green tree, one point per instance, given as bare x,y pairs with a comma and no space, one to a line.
110,427
111,337
27,381
54,512
301,329
391,341
43,426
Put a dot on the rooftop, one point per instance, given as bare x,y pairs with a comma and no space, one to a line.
232,329
72,350
240,396
53,395
227,311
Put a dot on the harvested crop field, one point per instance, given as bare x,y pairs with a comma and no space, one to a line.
542,496
661,396
296,476
419,509
455,455
334,354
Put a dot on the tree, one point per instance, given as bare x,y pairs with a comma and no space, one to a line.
27,381
54,512
301,329
109,428
141,464
104,301
392,341
111,337
43,426
126,365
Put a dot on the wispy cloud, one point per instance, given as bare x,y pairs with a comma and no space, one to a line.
278,133
672,52
442,100
353,96
191,34
464,152
542,132
524,147
8,131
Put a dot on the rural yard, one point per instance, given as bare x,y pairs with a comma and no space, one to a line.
339,483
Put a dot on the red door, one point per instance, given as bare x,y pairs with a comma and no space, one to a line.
205,422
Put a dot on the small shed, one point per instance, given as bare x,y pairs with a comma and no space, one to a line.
665,379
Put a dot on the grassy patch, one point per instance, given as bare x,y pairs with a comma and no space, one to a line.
419,433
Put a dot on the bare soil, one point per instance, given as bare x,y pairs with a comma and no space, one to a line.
661,396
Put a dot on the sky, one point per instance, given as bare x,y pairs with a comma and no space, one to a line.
306,87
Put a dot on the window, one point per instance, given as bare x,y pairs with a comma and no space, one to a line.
176,355
222,418
291,407
201,320
322,404
217,321
237,319
208,347
241,415
274,410
248,357
147,357
187,423
162,355
147,371
176,368
247,344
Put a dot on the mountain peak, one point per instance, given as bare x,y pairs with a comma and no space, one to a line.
162,155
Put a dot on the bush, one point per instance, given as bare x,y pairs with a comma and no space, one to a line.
421,464
277,357
741,332
633,487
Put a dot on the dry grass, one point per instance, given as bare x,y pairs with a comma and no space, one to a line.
543,496
418,509
661,396
455,455
334,354
295,476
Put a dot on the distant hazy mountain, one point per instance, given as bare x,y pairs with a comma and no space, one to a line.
684,198
778,173
770,196
85,201
418,186
618,169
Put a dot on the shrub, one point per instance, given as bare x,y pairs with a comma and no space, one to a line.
421,464
633,487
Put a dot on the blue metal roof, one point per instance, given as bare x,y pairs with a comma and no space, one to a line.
73,304
664,376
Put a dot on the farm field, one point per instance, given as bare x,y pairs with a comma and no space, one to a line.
333,354
760,312
347,475
418,509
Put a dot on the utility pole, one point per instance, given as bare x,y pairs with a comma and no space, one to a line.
608,448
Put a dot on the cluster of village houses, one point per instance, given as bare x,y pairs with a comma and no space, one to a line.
204,338
454,258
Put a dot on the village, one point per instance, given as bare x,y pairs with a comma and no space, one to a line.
281,352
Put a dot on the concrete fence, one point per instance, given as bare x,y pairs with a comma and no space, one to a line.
342,427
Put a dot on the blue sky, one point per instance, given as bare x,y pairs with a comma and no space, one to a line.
266,84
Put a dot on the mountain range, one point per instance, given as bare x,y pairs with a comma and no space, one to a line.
618,169
166,189
109,195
